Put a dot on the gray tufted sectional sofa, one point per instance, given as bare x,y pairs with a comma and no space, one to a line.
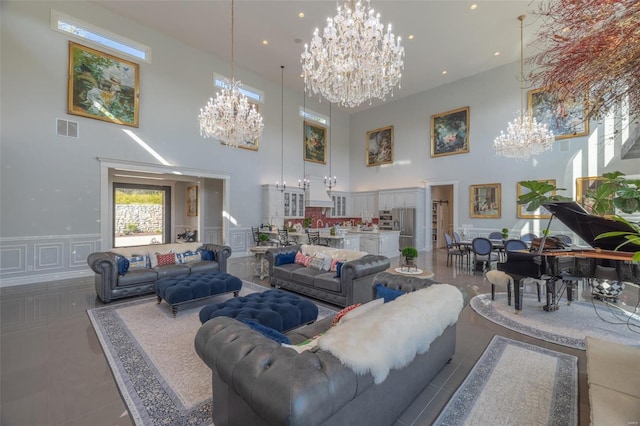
354,282
110,285
258,382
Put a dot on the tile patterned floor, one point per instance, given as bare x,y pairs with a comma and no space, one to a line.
53,371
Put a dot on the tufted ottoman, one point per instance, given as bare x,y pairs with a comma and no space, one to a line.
275,309
186,288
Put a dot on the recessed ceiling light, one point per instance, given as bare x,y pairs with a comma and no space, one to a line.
444,72
301,15
496,54
411,36
473,6
265,42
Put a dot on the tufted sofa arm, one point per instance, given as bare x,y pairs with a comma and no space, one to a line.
407,284
222,254
366,265
270,255
104,263
310,387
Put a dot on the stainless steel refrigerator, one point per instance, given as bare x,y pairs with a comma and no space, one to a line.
404,220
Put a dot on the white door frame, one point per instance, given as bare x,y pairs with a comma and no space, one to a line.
428,183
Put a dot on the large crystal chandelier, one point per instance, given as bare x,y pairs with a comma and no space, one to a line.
230,118
354,61
525,136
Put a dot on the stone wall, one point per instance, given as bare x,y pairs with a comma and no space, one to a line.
147,217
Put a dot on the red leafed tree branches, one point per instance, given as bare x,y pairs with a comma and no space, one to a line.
590,46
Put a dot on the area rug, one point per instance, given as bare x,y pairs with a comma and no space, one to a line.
516,383
161,378
568,326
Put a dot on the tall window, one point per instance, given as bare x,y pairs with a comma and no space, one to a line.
141,214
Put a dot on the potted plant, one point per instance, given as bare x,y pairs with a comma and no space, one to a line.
306,224
409,254
615,192
263,238
538,194
505,233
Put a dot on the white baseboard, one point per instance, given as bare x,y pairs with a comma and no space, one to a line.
40,278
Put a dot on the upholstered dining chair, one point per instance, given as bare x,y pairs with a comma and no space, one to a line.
495,235
456,251
527,238
483,252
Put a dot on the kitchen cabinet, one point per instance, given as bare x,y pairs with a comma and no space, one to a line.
386,243
339,208
364,203
388,200
278,206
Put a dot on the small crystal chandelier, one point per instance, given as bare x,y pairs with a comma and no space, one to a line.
231,118
353,61
281,186
525,136
329,181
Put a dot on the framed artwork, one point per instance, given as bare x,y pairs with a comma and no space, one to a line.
251,145
315,143
485,201
450,132
539,213
380,146
565,119
102,86
584,184
192,201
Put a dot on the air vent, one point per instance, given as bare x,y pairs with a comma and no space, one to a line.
67,128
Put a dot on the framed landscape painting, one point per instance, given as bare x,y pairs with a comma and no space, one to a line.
565,119
450,132
540,212
102,86
485,201
315,143
380,146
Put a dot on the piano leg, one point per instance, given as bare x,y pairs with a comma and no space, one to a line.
518,291
552,303
569,285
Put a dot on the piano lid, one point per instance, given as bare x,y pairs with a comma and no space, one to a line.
589,226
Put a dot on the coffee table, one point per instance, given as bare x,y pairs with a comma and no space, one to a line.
418,273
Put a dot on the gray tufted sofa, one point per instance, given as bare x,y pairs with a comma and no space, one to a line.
110,285
257,382
356,274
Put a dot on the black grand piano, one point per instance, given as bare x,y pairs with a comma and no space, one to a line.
559,268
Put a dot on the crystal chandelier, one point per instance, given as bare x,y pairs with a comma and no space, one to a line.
281,186
525,136
230,118
354,61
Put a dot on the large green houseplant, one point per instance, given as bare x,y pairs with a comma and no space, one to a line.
539,192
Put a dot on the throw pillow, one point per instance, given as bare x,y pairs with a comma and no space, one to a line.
316,263
188,257
386,293
123,265
207,255
137,261
266,331
342,313
307,261
285,258
166,259
299,259
338,269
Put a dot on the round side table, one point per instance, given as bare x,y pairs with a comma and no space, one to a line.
418,273
261,268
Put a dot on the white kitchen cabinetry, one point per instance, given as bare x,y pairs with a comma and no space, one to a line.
339,208
386,243
278,206
364,203
388,200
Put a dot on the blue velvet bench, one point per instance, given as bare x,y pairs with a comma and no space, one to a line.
275,309
187,288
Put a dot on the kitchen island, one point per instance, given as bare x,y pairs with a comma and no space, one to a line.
386,243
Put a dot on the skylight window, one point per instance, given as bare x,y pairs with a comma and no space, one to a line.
313,116
98,36
251,93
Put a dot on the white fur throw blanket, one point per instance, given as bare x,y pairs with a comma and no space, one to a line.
391,335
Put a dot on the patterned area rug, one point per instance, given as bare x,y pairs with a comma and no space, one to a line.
515,383
151,354
568,326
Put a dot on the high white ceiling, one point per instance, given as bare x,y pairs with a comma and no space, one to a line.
448,35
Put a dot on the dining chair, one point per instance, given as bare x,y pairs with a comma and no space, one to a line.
283,235
456,238
495,235
514,245
314,239
455,251
527,238
483,252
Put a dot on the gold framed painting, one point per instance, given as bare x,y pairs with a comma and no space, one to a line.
102,86
566,119
315,143
485,201
538,213
450,132
380,146
250,145
192,201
